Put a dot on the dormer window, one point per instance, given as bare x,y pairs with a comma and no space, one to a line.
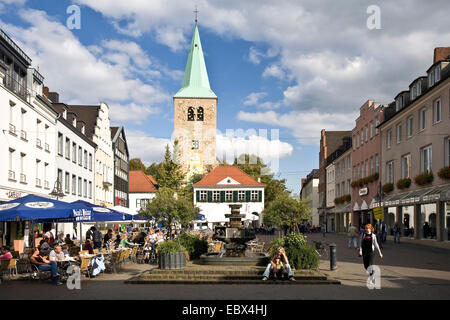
434,75
399,103
65,114
74,122
82,129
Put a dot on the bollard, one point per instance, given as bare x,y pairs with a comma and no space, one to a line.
333,257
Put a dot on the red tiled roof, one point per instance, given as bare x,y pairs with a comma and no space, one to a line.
140,182
222,172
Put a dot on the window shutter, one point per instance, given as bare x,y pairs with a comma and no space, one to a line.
209,196
222,196
235,196
247,196
197,195
259,196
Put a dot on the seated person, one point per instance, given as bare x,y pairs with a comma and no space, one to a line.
87,246
45,265
108,236
117,242
65,250
6,254
278,264
44,247
59,240
68,240
124,241
56,254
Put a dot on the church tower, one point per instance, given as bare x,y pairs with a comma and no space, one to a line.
195,114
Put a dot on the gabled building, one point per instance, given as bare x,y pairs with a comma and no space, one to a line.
121,166
27,142
329,142
98,130
226,185
415,148
143,188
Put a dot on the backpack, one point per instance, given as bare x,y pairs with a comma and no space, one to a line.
97,236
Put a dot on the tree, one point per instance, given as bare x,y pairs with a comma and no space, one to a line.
170,173
136,165
167,208
286,211
257,169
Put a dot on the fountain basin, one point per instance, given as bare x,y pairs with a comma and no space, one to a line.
250,259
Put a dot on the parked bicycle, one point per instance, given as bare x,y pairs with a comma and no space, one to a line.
321,248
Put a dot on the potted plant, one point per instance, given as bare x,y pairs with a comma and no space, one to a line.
388,187
444,173
403,183
424,178
171,255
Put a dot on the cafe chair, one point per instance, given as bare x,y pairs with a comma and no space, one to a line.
85,266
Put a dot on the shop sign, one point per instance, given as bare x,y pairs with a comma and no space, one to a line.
378,213
363,191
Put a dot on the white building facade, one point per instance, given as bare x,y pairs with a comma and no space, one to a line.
227,185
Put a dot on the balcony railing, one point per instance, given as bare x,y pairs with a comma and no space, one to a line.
11,175
38,182
23,178
38,143
47,147
23,135
15,86
46,184
12,129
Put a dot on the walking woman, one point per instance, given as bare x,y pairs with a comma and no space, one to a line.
367,245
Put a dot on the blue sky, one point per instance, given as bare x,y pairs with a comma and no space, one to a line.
294,66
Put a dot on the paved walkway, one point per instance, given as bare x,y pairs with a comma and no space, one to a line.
408,271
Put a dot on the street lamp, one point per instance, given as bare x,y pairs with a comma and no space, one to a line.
57,190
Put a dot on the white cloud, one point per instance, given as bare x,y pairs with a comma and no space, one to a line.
230,147
117,72
274,71
305,126
148,149
324,48
253,98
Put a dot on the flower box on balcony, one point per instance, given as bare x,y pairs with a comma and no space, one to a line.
403,183
424,178
444,173
388,187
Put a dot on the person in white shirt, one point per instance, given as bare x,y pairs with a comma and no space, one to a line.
56,254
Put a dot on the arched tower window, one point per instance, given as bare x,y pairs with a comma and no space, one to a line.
200,114
191,114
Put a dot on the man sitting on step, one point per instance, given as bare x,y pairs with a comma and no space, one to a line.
278,265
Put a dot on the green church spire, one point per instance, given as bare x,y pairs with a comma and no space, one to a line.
195,82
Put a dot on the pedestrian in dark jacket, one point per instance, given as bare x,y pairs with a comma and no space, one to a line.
368,243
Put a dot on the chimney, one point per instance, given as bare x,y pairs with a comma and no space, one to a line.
441,53
45,91
54,97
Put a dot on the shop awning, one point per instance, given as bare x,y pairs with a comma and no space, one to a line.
421,196
32,207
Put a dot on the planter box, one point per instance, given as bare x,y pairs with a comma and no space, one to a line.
172,260
19,245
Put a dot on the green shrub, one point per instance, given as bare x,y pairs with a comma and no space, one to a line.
194,245
300,255
444,173
388,187
304,257
170,246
